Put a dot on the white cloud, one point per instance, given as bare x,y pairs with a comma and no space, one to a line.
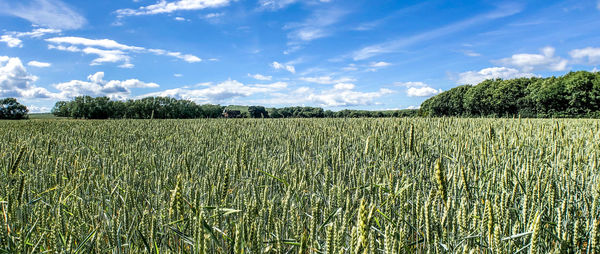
15,81
180,18
411,84
286,67
598,5
221,92
341,95
260,77
178,75
104,43
47,13
319,25
592,55
38,64
471,53
544,61
97,86
397,44
327,80
413,107
113,51
11,41
379,64
476,77
275,4
37,33
280,4
344,86
36,109
422,91
418,89
214,15
12,38
168,7
107,56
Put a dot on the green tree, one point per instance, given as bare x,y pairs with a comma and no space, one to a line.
11,109
258,112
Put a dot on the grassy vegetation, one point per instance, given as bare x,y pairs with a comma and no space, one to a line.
300,185
43,116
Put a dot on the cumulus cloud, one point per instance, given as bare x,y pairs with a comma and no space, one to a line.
476,77
110,51
325,80
220,92
589,55
422,91
36,109
15,81
281,66
544,61
168,7
97,86
418,89
260,77
38,64
48,13
11,41
344,95
341,95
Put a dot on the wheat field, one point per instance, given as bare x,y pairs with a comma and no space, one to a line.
423,185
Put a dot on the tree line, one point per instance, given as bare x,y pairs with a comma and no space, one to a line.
576,94
87,107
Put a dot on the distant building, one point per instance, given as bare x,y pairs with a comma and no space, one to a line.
228,113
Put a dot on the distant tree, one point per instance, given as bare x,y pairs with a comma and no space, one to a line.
61,109
258,112
11,109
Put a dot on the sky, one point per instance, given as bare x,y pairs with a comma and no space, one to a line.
374,55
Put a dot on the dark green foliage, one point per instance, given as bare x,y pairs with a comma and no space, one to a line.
576,94
258,112
147,108
87,107
11,109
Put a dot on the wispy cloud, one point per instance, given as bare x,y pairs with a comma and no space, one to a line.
260,77
46,13
39,64
397,44
168,7
12,38
326,80
274,5
110,51
318,25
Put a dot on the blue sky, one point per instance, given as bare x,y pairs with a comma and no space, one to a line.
327,53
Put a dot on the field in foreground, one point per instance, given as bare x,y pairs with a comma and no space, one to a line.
300,186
